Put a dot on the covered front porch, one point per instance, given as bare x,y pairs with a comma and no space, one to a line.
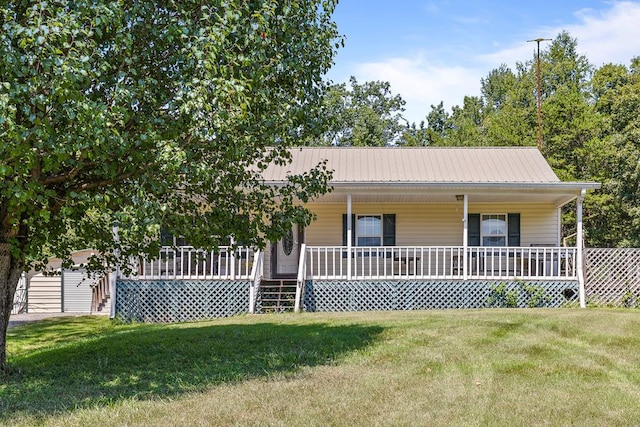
500,232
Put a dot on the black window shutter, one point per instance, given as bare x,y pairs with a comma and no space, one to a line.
166,238
344,230
389,230
513,222
473,230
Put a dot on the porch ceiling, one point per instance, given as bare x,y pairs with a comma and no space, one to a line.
556,197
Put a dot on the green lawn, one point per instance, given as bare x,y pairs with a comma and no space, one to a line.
466,367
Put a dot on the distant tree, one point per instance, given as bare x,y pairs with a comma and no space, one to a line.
415,136
496,87
150,113
366,114
510,115
466,123
569,121
613,157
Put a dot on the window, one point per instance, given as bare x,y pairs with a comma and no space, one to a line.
494,230
369,230
490,229
168,239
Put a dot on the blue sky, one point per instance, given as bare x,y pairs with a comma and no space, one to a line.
432,51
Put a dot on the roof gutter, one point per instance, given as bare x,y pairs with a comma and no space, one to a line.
566,186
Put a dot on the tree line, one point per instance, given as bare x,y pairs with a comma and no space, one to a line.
590,127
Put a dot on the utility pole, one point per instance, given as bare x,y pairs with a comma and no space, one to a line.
538,40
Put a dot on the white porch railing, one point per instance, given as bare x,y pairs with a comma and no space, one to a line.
187,262
441,262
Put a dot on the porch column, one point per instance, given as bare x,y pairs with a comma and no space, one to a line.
579,245
465,237
114,275
232,259
349,234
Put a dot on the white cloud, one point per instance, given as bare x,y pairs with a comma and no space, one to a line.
610,35
604,36
422,83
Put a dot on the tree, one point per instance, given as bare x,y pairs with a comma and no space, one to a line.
144,114
467,123
614,157
497,86
510,116
366,114
415,136
568,119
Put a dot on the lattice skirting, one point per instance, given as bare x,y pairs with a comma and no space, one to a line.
342,295
180,300
612,276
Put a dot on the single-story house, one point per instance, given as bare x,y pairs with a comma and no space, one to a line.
403,228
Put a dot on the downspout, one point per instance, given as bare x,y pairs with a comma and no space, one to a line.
465,237
349,236
579,247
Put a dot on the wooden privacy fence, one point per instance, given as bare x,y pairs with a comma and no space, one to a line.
612,276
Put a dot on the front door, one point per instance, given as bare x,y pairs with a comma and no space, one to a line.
287,253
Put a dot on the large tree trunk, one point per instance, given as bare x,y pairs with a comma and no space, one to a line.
10,271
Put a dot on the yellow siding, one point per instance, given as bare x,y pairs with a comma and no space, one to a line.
432,225
428,224
538,223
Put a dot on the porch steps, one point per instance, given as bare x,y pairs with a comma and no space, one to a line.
277,295
105,306
101,298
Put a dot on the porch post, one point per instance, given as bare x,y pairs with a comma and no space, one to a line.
113,276
465,237
232,260
349,234
579,245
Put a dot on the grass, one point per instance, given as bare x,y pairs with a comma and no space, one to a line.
467,367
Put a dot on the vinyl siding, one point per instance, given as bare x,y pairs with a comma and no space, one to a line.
433,225
45,294
77,291
428,224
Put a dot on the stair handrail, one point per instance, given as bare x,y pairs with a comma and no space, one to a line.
302,271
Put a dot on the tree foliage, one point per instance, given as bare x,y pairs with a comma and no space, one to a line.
366,114
145,114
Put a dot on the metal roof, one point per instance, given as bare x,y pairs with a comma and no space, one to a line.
421,166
